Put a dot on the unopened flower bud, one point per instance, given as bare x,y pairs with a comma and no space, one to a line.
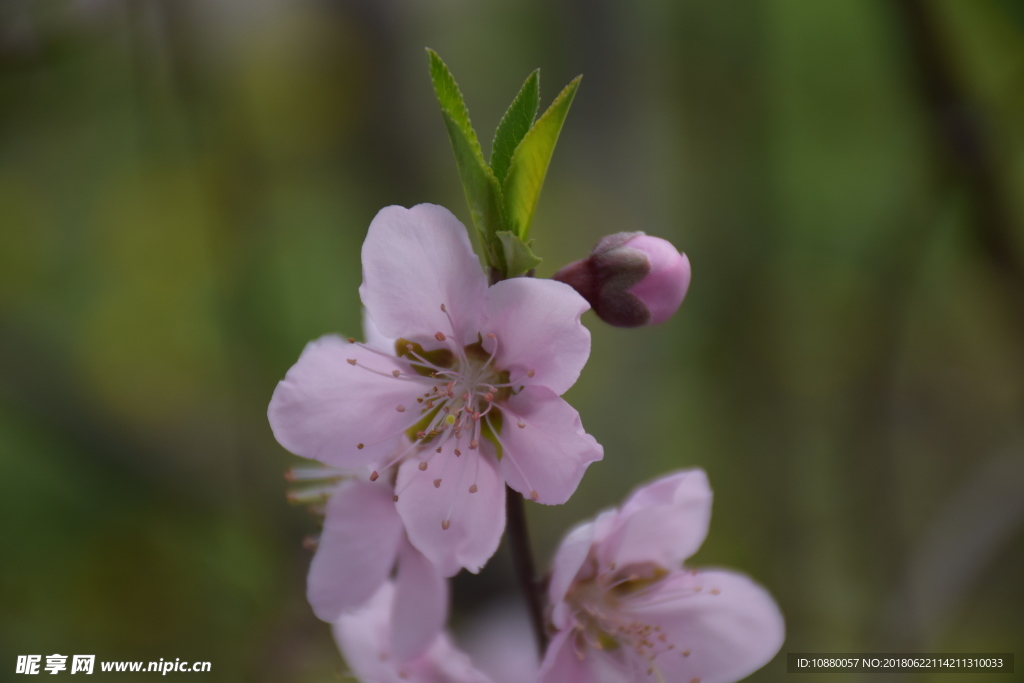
631,279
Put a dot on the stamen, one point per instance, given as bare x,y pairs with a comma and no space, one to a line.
508,454
311,494
494,351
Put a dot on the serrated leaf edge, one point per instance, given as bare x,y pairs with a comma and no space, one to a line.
569,91
534,77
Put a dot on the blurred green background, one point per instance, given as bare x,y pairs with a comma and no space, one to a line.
184,187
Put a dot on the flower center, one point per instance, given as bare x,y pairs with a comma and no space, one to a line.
463,400
601,608
464,389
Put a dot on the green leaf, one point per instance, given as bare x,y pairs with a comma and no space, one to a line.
514,125
483,191
519,258
450,97
530,162
483,194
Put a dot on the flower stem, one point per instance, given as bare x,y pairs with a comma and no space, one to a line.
522,559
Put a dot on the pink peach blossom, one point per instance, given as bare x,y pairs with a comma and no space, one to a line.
364,638
363,539
473,380
626,610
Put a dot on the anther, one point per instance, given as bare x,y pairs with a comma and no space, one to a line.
360,446
400,409
533,495
396,373
520,424
423,466
531,373
473,489
457,452
715,591
445,524
373,477
351,361
395,498
443,309
351,340
438,449
474,444
686,653
440,336
491,335
437,483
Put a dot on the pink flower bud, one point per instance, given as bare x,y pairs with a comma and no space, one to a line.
631,279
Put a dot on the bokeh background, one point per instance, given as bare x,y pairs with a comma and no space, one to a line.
184,187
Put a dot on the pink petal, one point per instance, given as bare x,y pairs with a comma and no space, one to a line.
476,520
500,640
548,455
664,522
728,629
373,336
561,663
537,324
358,546
449,665
565,566
663,289
421,604
363,638
325,407
414,260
